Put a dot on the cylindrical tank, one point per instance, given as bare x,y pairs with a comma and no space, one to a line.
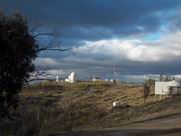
57,78
72,77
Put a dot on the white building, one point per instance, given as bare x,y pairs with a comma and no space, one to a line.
167,87
57,78
71,78
95,79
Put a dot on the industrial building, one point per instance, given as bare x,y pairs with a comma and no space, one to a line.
71,78
167,87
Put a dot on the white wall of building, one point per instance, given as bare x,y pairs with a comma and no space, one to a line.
167,87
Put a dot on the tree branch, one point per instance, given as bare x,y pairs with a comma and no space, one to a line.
39,79
33,29
52,49
43,34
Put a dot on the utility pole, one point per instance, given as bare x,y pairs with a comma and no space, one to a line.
114,73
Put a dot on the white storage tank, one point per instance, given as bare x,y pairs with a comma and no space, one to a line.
72,78
57,78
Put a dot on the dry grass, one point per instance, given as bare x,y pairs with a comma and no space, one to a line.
52,108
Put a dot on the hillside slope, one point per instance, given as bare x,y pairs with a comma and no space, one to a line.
54,108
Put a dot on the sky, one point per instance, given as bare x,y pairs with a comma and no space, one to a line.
139,38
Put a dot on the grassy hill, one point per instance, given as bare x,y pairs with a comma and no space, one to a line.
49,108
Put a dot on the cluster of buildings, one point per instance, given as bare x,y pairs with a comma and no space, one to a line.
162,87
72,78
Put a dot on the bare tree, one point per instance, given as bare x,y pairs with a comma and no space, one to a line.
18,49
161,77
146,90
147,87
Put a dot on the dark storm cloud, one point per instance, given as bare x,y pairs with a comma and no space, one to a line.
77,21
84,68
93,19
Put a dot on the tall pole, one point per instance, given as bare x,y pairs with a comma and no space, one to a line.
114,71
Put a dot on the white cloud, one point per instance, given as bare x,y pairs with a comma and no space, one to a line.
168,48
56,72
116,50
141,78
131,57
